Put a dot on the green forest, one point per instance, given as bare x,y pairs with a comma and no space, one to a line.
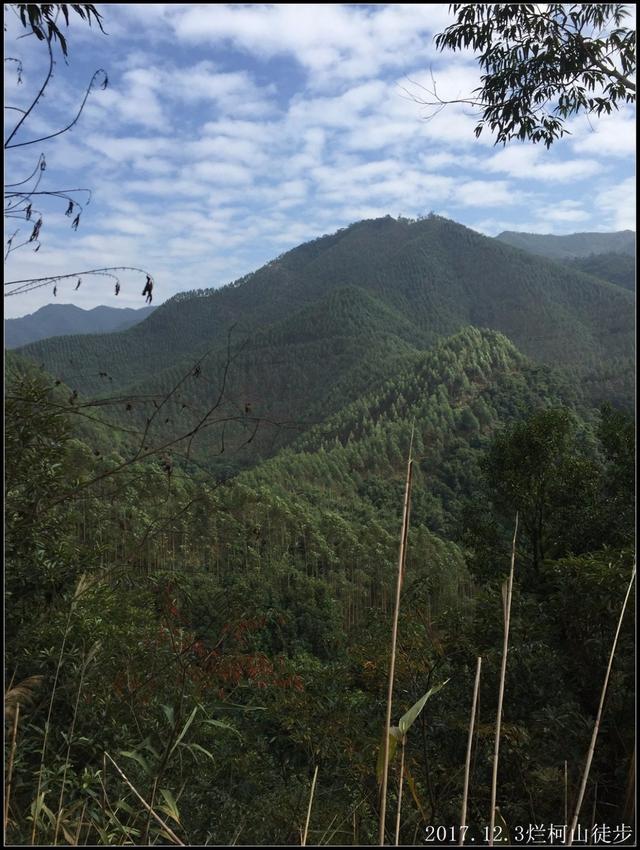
342,552
203,518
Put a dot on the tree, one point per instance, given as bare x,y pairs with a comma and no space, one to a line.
22,197
543,64
536,467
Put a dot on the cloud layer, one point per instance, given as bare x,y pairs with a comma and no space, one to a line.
231,133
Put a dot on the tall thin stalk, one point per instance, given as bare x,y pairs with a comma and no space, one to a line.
157,817
467,766
566,794
596,727
404,741
7,792
394,636
306,826
503,672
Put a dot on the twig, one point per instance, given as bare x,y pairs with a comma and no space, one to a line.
394,636
503,672
463,815
10,768
313,788
168,830
404,740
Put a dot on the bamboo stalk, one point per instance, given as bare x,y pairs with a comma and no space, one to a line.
596,727
404,741
157,817
306,826
12,753
566,795
467,767
394,636
503,672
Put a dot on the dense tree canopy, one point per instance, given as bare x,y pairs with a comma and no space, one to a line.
543,64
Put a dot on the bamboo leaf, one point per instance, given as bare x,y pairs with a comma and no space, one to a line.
407,720
198,749
170,806
132,754
185,729
222,725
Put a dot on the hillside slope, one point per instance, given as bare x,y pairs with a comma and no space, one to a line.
413,281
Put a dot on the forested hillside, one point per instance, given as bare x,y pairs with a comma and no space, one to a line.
614,268
415,281
217,637
342,552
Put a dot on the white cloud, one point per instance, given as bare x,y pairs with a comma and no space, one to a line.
562,212
486,193
330,41
212,151
619,204
531,162
611,135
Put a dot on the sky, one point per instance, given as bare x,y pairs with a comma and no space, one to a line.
229,134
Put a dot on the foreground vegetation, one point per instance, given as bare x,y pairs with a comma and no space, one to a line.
183,654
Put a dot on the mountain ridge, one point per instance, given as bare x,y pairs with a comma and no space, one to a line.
314,318
68,319
571,245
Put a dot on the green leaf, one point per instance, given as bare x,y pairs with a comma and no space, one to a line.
170,806
185,729
407,720
222,725
197,748
132,754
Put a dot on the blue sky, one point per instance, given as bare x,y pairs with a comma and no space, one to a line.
229,134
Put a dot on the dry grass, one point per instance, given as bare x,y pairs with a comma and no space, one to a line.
467,766
394,636
507,593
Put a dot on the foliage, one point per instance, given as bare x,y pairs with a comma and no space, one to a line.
196,633
545,64
42,19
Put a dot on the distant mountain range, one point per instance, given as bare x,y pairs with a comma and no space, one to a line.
67,319
572,244
316,328
608,256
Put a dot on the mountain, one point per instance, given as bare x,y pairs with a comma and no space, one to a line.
297,340
572,244
614,268
66,319
448,400
209,525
